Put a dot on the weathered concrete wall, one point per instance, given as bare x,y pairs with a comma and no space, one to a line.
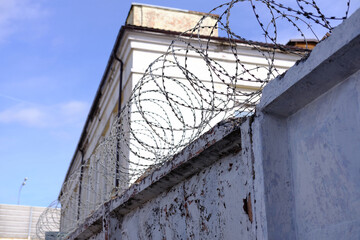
204,192
308,135
324,144
208,205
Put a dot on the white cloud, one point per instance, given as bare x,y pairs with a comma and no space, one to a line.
51,116
73,111
15,13
27,116
73,107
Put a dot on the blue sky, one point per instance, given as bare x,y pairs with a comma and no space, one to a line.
52,57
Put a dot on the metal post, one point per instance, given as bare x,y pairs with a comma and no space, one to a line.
30,222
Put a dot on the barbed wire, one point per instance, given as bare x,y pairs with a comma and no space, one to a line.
49,221
182,94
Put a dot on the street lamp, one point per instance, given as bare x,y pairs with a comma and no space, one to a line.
23,184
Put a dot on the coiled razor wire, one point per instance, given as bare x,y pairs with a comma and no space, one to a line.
49,222
179,98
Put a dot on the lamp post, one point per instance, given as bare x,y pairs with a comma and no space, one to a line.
23,184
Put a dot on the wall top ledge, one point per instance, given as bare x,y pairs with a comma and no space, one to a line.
222,140
332,61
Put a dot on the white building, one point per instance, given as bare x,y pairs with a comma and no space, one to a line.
92,179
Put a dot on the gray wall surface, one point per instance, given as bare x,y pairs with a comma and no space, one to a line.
209,205
204,193
324,141
309,133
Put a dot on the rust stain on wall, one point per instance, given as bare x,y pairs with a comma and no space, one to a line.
247,207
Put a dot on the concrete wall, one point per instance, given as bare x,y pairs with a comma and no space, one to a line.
204,192
308,129
19,222
324,144
208,205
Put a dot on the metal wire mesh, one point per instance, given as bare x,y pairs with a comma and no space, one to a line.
165,112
